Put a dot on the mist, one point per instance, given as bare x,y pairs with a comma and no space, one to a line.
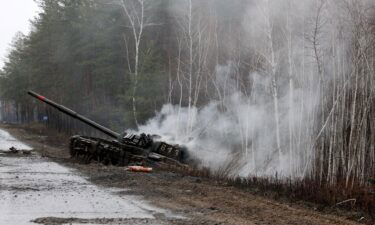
252,88
268,121
271,98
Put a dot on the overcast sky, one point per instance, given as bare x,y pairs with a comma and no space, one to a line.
14,16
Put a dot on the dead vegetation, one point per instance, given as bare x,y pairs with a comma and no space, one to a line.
356,202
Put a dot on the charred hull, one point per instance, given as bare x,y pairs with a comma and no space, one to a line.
123,149
89,149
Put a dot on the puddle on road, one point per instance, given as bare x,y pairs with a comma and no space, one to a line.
32,187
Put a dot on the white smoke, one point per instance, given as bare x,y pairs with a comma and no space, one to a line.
236,132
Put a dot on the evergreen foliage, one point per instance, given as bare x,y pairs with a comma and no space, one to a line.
76,54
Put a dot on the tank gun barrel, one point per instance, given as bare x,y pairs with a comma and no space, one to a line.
75,115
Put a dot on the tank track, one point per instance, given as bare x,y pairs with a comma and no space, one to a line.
104,151
124,149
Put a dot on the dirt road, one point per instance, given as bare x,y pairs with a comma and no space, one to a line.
172,198
36,189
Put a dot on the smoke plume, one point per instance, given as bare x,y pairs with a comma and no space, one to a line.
267,122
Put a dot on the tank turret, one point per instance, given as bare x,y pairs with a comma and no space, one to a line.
124,148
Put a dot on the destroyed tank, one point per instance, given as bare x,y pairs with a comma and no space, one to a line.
123,149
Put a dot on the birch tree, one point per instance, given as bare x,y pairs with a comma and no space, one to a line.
135,12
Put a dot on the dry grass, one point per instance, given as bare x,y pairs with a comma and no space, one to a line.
356,199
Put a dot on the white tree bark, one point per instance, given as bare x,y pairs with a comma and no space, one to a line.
135,10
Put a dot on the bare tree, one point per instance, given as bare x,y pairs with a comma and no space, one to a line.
135,10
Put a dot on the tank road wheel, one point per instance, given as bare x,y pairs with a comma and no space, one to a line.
80,154
96,156
87,157
72,150
119,159
124,159
99,157
106,159
90,152
114,161
84,154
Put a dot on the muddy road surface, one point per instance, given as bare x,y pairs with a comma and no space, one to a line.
34,189
47,187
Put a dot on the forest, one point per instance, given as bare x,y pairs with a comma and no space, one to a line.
282,88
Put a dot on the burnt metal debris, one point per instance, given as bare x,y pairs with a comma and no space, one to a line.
123,149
